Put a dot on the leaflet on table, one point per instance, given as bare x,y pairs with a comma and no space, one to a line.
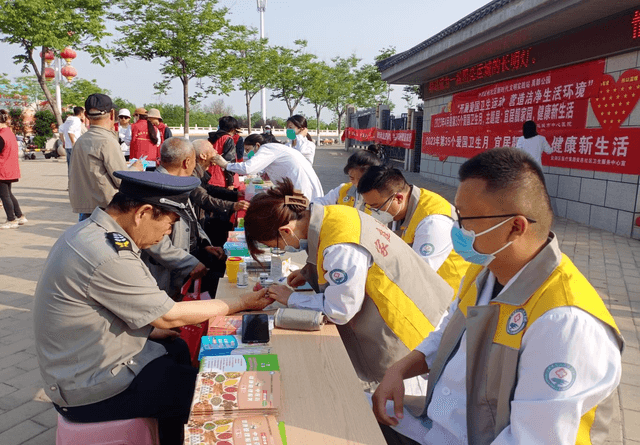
251,430
235,394
230,363
229,344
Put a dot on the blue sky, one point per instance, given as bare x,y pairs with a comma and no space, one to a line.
332,28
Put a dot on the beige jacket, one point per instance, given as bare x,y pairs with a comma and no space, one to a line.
96,156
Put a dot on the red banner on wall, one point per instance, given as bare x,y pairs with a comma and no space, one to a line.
558,102
394,138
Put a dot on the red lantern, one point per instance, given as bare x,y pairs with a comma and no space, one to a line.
49,74
49,56
68,54
69,72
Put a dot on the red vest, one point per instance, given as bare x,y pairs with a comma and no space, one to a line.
141,144
217,174
9,164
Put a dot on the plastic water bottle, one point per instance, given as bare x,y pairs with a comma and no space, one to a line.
276,265
243,276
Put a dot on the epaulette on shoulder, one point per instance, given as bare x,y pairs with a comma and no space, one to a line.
119,241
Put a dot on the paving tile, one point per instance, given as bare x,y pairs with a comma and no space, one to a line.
17,415
47,418
21,433
46,438
631,421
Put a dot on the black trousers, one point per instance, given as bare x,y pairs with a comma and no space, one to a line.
163,390
10,203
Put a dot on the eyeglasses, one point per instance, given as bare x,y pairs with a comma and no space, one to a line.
510,215
379,208
124,117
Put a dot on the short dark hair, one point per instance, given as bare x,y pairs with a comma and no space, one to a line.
362,160
529,129
516,174
254,139
384,178
228,123
267,213
77,111
121,203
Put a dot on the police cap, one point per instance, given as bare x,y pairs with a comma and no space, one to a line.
159,189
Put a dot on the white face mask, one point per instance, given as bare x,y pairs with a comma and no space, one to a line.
304,244
382,216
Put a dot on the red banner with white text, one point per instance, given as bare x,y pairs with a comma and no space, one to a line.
558,101
394,138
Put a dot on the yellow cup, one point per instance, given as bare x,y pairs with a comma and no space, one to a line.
233,265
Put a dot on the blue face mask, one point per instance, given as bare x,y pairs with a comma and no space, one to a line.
304,244
463,240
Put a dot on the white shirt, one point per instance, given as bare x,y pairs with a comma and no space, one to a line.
333,196
304,146
72,125
539,414
433,240
124,133
535,146
280,161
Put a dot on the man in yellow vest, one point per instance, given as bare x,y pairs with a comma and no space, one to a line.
423,219
528,352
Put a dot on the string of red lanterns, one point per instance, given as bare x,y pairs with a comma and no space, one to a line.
67,71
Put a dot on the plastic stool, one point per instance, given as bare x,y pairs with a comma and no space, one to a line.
141,431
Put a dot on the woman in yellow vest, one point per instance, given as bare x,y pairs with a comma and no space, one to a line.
422,218
347,193
378,291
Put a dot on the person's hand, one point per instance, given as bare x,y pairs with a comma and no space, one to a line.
219,160
199,271
216,251
240,205
162,334
256,300
296,279
280,293
137,166
391,388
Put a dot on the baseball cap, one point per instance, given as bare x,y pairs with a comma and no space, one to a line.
98,104
267,127
124,112
159,189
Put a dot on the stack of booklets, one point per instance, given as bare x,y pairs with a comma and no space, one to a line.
225,325
229,345
235,402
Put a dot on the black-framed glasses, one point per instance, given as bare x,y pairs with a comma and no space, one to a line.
124,117
510,215
378,209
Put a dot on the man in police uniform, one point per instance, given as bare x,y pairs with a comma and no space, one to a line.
102,325
514,360
422,218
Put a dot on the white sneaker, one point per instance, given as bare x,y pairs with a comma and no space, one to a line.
10,224
22,220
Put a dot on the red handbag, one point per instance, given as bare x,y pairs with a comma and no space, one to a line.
192,334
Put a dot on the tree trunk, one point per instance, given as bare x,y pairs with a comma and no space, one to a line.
43,84
248,102
318,126
185,90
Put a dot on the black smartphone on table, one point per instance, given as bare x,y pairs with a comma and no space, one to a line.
255,328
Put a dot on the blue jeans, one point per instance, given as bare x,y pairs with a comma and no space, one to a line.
68,150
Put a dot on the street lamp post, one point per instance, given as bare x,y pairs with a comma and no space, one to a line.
262,6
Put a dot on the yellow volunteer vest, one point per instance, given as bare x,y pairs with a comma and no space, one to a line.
399,311
566,286
347,197
429,203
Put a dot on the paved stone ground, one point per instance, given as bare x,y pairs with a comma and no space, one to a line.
611,262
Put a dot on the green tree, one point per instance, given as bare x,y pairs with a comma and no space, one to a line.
252,67
342,85
291,78
121,103
191,36
410,93
75,93
319,90
42,127
35,25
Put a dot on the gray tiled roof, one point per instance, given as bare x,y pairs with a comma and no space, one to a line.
460,24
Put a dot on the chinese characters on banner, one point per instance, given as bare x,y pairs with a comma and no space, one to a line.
558,101
393,138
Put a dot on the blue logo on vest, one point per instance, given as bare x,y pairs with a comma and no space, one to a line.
517,321
426,249
560,376
338,276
